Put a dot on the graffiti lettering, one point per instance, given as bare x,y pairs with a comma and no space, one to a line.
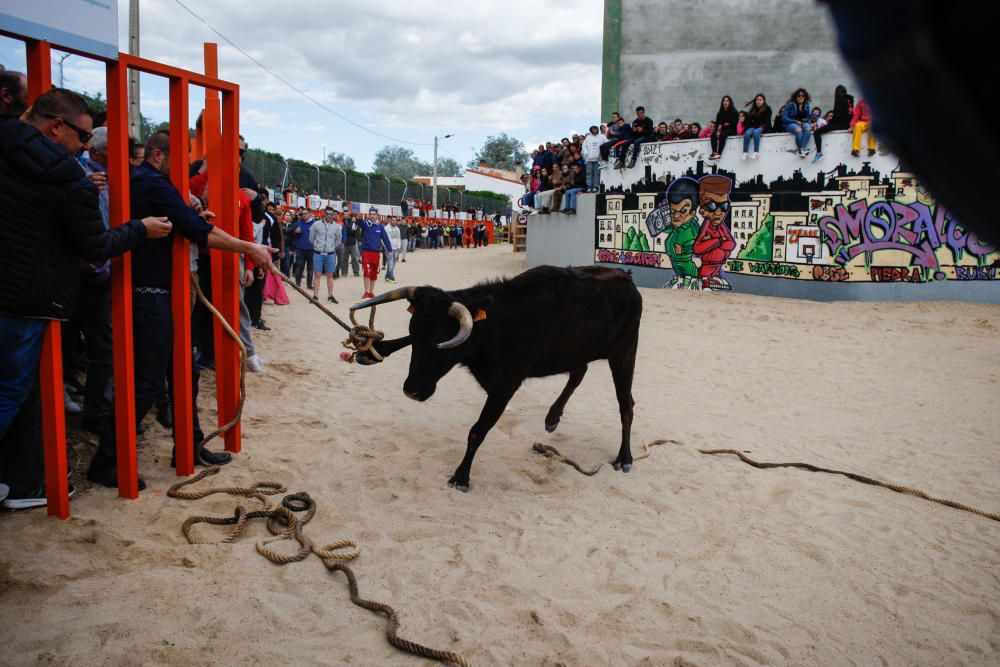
653,259
774,269
795,234
976,273
910,228
896,274
735,266
830,274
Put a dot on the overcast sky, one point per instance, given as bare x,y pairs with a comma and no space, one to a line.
408,70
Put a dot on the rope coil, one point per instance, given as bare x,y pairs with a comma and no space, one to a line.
360,338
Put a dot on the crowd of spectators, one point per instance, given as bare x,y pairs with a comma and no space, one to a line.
561,170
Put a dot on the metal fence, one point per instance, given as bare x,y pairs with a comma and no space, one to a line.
330,182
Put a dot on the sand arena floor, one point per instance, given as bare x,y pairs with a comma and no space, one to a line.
687,560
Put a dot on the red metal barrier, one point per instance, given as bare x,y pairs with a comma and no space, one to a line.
219,140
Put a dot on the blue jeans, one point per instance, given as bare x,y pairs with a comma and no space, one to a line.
802,134
20,349
593,168
569,198
752,133
390,264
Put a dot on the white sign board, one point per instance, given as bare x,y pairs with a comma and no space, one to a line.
87,26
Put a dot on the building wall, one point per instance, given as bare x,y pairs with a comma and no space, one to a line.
679,58
840,228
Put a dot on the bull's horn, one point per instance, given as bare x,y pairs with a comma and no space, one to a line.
464,317
392,295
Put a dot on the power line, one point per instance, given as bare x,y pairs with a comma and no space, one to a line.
293,87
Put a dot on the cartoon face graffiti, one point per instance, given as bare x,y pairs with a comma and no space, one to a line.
681,212
713,195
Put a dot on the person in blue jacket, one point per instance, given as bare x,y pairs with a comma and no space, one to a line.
795,119
374,239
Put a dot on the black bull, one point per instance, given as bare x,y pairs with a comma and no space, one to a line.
546,321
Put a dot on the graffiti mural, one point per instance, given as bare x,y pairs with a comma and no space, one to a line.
853,220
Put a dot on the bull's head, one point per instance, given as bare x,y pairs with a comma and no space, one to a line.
438,328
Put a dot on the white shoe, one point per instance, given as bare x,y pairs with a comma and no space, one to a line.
674,283
743,157
255,365
754,156
4,490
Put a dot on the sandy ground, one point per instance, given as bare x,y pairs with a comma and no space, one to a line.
687,560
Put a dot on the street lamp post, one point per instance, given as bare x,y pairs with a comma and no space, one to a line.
62,59
317,180
434,178
369,189
388,190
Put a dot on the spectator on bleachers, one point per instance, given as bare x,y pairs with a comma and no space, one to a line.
612,135
624,138
693,131
543,158
642,131
828,117
576,185
662,132
532,184
707,132
550,194
678,130
725,127
861,123
795,117
842,114
757,122
592,158
741,119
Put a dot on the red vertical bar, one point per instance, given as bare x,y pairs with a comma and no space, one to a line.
121,283
180,287
39,60
230,266
212,140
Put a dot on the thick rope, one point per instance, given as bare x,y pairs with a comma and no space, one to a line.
360,338
858,478
243,358
553,453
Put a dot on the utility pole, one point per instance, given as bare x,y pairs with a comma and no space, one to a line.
133,75
434,177
62,59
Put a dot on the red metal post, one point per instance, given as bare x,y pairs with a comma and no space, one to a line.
121,282
229,222
39,60
180,287
225,367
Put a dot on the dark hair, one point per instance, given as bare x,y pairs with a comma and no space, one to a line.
839,91
12,82
59,102
796,94
638,109
723,101
683,188
750,105
594,127
158,141
133,147
678,120
696,124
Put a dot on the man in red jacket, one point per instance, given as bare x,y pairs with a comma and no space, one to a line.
714,242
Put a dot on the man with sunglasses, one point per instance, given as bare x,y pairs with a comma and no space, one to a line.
49,219
714,242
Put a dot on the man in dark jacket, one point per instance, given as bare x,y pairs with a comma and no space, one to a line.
642,131
351,234
152,329
49,218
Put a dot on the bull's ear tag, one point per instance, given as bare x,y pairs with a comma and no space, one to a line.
410,309
479,316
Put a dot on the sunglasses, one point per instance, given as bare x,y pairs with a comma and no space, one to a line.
713,206
80,132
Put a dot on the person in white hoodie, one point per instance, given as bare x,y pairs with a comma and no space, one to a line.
325,236
591,154
393,256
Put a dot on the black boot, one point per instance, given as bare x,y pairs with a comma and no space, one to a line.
208,457
106,474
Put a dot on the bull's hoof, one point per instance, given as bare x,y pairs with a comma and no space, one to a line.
616,465
551,426
455,484
621,465
626,467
